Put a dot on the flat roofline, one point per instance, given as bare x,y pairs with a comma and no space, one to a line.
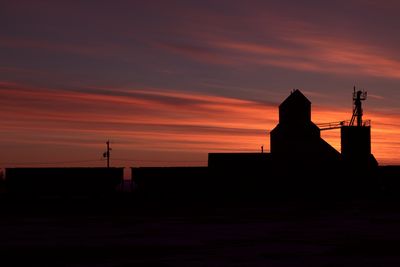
239,153
171,167
59,168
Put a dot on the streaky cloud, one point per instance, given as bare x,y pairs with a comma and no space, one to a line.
152,119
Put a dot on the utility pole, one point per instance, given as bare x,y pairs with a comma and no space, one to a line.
107,153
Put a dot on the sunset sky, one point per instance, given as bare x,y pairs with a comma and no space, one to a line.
169,81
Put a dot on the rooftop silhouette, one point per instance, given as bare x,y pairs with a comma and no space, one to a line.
300,161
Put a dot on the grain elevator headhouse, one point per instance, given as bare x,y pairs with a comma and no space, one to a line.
296,140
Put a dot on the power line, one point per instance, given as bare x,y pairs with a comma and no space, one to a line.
48,163
99,160
172,161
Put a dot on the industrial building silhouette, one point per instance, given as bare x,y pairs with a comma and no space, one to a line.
300,163
296,140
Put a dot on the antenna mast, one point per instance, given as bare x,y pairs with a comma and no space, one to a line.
358,96
107,153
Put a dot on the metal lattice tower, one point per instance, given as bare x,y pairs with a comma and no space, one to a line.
358,96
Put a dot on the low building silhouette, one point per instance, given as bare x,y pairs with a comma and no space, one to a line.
173,183
62,181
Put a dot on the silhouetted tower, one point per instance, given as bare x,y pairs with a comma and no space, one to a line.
107,153
356,137
357,106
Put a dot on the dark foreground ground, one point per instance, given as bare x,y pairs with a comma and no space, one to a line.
280,233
